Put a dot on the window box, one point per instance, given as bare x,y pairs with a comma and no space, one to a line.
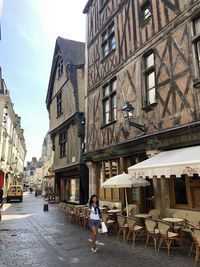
150,106
108,124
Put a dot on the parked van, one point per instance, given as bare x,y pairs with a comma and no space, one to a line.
15,192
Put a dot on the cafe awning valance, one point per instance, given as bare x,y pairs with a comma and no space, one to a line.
173,162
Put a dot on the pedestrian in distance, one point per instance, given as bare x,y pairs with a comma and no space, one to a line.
94,219
1,195
36,192
31,190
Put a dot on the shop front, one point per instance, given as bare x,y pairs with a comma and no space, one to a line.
72,184
175,176
102,170
70,189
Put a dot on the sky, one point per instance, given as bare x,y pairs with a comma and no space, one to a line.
29,29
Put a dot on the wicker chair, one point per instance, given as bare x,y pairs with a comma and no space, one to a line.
196,235
194,219
187,228
190,226
122,226
84,217
155,213
152,231
78,215
69,213
133,228
167,236
108,221
132,210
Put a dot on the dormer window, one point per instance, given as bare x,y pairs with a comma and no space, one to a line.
146,10
102,3
60,67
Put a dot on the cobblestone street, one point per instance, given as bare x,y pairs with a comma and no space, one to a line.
31,237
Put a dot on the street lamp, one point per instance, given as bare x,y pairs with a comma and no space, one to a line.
128,113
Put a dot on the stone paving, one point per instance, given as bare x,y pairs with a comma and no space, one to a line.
31,237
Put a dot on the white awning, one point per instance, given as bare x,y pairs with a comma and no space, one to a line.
124,180
172,162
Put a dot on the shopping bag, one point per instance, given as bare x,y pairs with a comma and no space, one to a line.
103,228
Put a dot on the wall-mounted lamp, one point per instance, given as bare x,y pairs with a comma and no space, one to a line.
196,83
83,121
128,112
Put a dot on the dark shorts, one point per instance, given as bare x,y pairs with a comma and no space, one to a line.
94,223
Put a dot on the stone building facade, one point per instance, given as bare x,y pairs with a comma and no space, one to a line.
65,104
142,89
12,142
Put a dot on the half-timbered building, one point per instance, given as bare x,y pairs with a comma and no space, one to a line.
143,92
65,104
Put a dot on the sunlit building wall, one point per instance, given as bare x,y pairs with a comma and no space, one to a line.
12,142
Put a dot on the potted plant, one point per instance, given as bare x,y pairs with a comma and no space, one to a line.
111,152
152,147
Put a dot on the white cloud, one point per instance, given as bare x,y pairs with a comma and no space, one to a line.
62,18
38,25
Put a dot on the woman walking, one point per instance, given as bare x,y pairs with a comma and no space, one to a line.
94,219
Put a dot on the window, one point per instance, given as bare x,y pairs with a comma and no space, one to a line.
196,42
184,192
149,189
60,67
109,102
146,10
180,191
108,169
62,143
59,104
149,76
108,40
102,3
72,190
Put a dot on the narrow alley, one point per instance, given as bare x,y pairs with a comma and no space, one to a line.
31,237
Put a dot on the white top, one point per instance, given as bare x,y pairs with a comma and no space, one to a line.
94,216
113,211
173,220
145,215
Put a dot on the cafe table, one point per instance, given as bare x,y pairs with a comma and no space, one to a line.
173,221
143,215
102,208
113,211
